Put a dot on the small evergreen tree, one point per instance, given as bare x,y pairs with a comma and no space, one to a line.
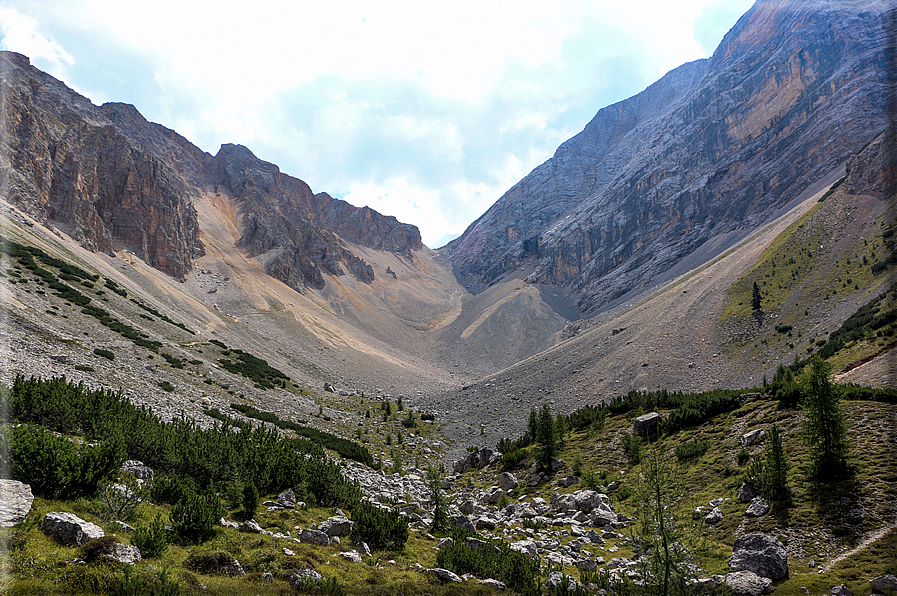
776,480
756,303
546,437
438,501
250,499
825,426
532,426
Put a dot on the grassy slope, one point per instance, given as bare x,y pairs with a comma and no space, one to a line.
811,278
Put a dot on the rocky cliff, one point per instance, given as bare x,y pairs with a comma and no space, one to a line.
112,179
713,147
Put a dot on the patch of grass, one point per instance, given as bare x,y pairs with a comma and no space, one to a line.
104,353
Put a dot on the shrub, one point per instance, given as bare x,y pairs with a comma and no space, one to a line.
104,353
194,517
250,499
54,467
152,540
494,559
136,585
380,528
743,457
632,445
84,368
691,450
120,499
165,385
512,459
92,550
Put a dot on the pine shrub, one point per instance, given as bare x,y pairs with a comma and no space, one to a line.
494,559
152,540
379,528
194,517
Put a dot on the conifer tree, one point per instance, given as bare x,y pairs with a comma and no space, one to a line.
546,437
825,426
756,303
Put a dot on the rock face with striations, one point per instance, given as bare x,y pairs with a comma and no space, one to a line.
111,179
700,157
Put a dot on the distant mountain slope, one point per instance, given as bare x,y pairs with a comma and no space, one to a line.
713,147
114,180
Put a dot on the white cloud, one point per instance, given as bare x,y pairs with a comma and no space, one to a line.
20,34
426,111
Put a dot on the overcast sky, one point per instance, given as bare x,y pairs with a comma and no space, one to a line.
425,110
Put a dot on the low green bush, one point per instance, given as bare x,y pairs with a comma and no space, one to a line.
194,517
691,450
493,559
152,540
104,353
379,528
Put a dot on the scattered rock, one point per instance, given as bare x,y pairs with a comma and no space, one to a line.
140,471
714,517
314,537
761,554
250,527
494,584
15,502
507,481
69,529
884,583
646,425
123,553
747,583
555,578
749,438
301,577
746,492
351,556
336,526
364,549
287,499
444,543
841,590
444,575
757,508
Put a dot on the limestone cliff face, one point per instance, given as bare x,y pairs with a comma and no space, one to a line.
715,146
64,161
112,179
300,233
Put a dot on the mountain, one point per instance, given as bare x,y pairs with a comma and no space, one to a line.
112,179
700,158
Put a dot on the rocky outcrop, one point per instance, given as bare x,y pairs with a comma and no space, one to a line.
112,180
711,150
69,529
64,161
761,554
15,502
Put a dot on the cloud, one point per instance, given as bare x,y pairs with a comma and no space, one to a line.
428,110
20,33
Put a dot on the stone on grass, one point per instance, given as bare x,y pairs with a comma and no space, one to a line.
69,529
494,584
884,583
15,502
314,537
444,575
714,517
250,526
337,526
757,508
123,553
507,481
351,556
302,577
762,554
749,438
646,425
747,583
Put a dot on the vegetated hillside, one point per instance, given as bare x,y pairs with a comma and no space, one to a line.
820,271
697,160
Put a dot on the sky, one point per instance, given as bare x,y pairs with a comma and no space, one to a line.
428,111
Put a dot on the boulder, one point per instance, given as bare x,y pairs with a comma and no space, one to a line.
646,425
444,543
757,508
527,547
302,577
747,583
351,556
314,537
556,579
140,471
494,584
69,529
336,526
123,553
714,517
754,436
884,583
462,465
746,492
462,522
444,575
762,554
569,481
841,590
15,502
364,549
507,481
250,527
287,499
493,495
